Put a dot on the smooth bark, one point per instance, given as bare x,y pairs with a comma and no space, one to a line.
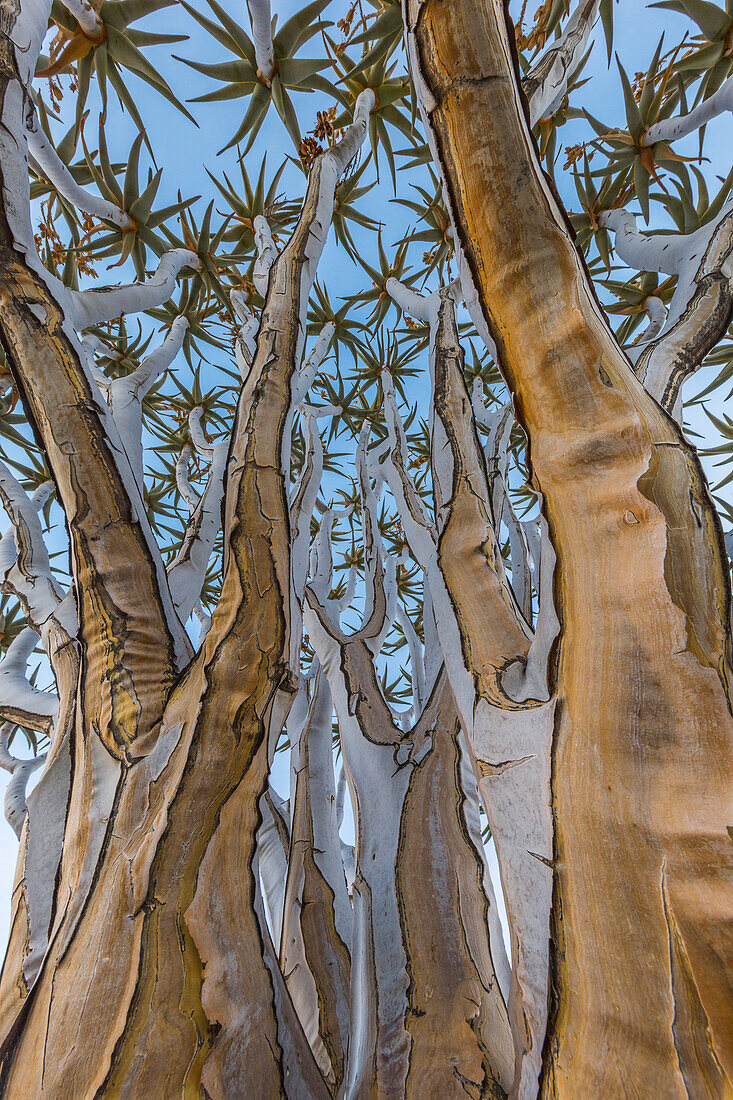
643,736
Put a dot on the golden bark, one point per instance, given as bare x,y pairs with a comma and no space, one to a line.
456,1019
165,948
493,634
643,739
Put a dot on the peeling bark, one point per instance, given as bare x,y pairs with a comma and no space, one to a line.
157,891
315,956
421,982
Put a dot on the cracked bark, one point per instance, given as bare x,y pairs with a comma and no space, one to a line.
156,892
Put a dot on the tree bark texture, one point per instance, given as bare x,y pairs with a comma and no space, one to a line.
642,953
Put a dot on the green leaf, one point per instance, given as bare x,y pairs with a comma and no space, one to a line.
291,34
713,22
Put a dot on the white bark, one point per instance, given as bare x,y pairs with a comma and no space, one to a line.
187,572
19,700
702,303
671,129
184,486
245,343
513,751
266,254
30,576
50,165
91,307
16,810
315,834
273,840
547,82
309,369
125,395
666,252
86,16
261,19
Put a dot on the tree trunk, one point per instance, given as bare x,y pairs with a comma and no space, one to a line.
642,756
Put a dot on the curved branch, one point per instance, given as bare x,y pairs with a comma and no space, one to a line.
309,368
670,129
546,84
245,344
184,486
187,572
125,395
92,307
29,576
16,810
20,702
702,304
50,165
266,254
699,315
666,252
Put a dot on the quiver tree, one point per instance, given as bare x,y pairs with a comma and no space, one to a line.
501,609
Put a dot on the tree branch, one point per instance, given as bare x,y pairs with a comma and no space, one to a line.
671,129
20,702
546,84
16,810
87,17
266,254
92,307
50,165
261,19
702,305
125,395
399,782
317,927
134,641
187,571
192,892
28,572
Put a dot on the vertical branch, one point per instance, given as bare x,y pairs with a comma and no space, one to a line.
132,638
317,925
259,14
417,988
546,84
406,965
